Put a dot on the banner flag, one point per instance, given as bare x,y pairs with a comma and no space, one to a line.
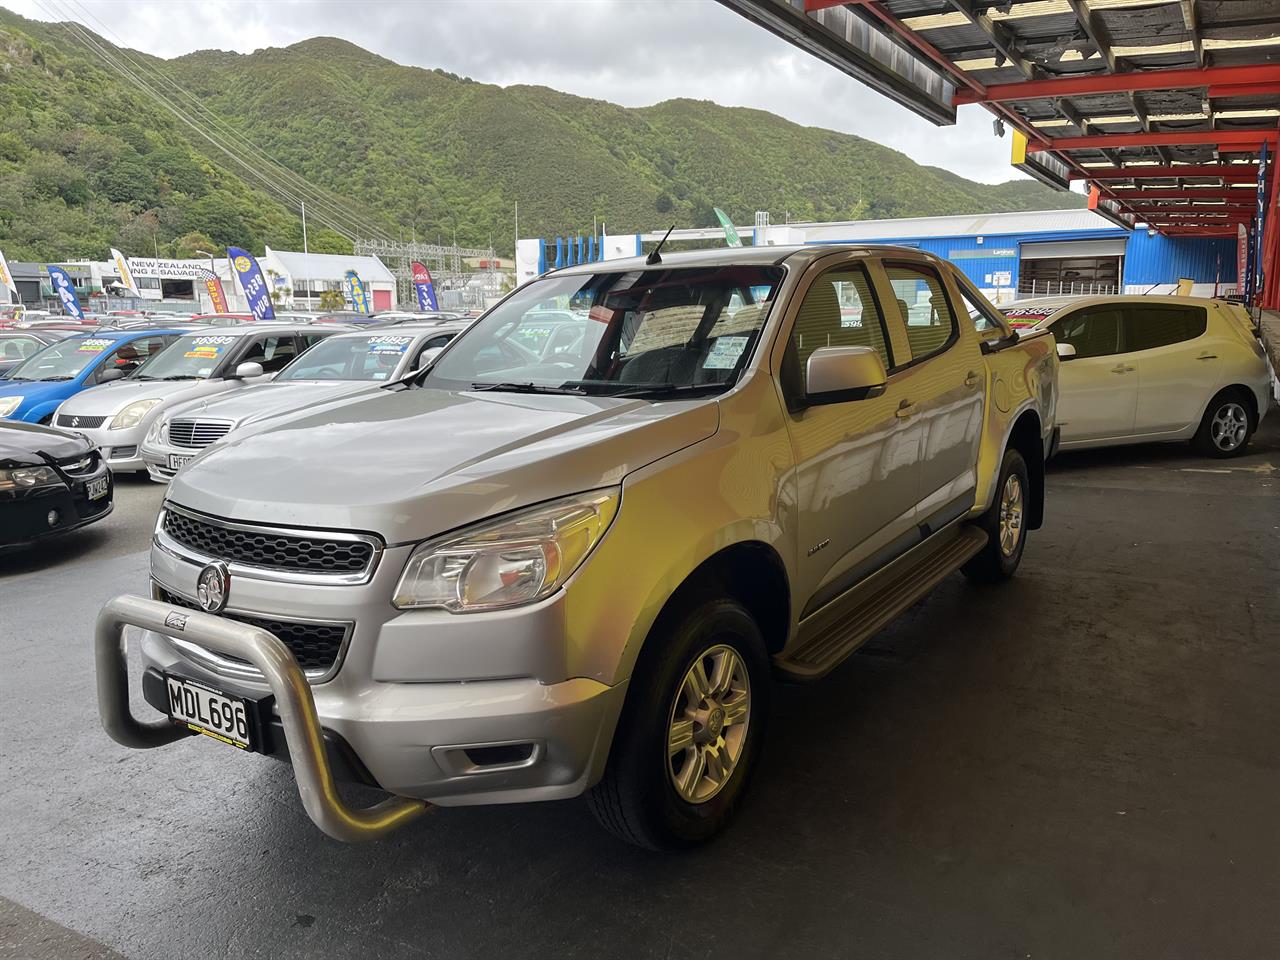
424,286
66,291
7,278
1242,258
214,288
126,275
357,293
252,283
730,232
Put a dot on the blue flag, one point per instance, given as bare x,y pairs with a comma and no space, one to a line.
357,293
66,291
425,289
252,282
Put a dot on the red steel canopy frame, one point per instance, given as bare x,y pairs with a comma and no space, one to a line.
1187,120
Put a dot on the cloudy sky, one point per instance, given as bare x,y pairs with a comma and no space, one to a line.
633,52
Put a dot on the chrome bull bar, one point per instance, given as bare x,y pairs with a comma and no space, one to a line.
294,703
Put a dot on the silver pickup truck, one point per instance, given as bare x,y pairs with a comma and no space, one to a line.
547,567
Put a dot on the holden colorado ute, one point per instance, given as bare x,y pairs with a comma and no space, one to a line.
523,575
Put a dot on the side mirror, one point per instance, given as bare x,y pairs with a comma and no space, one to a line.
247,371
107,376
427,358
841,374
1066,351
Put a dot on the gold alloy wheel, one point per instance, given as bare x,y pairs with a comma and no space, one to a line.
707,729
1229,426
1011,515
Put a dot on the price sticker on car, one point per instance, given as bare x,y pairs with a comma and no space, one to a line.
389,344
93,346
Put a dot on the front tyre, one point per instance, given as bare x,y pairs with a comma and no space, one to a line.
691,730
1005,524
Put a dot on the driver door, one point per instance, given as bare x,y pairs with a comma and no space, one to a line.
857,467
1098,387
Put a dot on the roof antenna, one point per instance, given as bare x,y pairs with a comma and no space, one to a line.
656,256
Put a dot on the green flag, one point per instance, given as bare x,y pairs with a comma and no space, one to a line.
730,234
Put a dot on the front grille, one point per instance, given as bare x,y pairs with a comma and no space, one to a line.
87,423
196,433
316,646
270,548
81,466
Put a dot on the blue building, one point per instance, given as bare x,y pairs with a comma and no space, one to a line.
1006,255
1020,254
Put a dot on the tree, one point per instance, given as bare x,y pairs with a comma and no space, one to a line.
194,244
331,300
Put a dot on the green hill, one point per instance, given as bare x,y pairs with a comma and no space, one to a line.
88,160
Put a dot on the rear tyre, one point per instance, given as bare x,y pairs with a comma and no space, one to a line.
1227,426
1005,523
691,730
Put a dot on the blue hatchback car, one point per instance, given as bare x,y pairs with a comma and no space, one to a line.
33,390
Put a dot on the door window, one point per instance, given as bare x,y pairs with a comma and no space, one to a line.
1159,325
1094,332
984,316
839,310
272,352
128,357
930,324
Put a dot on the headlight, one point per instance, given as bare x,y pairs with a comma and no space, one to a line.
132,414
156,433
515,559
9,404
28,478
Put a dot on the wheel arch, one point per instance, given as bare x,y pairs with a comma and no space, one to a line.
749,571
1026,437
1251,398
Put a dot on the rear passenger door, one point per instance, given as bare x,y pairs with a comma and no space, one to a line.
1098,387
856,471
943,382
273,351
1178,365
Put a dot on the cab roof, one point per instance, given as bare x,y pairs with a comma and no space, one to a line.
793,255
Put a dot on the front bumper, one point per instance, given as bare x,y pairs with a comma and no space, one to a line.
120,448
25,519
155,458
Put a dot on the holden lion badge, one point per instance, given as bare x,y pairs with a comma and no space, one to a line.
212,587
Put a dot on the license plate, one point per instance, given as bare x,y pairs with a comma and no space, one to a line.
98,488
176,460
209,712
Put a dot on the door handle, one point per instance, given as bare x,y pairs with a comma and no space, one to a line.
971,380
906,409
1123,368
1207,356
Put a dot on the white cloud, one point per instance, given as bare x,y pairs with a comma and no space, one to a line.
633,52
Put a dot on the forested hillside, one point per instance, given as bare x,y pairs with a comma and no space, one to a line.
87,160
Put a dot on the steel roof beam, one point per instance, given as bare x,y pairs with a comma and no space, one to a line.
1142,171
1095,30
1122,83
999,36
1190,193
1223,139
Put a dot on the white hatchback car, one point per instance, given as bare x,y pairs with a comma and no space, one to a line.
1159,368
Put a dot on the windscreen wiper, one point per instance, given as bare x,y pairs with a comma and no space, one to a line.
527,387
178,376
664,389
51,379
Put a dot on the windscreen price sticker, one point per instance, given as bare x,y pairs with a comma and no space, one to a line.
389,344
93,346
208,348
725,353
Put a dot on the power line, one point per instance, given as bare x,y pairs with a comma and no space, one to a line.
278,179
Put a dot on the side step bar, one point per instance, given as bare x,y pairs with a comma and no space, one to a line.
294,702
830,634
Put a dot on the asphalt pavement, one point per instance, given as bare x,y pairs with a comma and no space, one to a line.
1081,763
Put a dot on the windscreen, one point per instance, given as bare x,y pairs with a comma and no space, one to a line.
193,357
63,360
372,357
645,332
